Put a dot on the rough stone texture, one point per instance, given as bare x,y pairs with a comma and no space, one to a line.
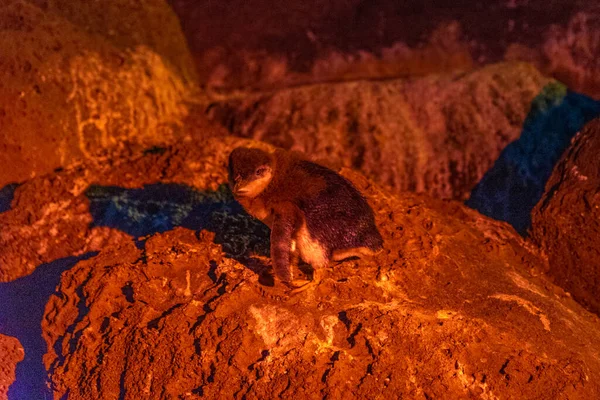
222,68
11,353
514,185
569,51
566,222
78,80
437,134
264,43
50,215
452,308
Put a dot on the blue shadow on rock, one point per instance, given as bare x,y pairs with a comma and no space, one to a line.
161,207
6,195
516,182
138,212
22,307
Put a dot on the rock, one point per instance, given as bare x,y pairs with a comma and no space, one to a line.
438,134
11,353
225,68
566,221
23,302
569,50
78,82
50,216
454,306
268,44
514,185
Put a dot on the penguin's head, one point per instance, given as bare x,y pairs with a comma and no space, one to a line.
250,171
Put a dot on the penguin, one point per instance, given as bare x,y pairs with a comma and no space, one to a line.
313,212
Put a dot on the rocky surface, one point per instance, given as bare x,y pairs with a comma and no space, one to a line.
11,353
263,44
77,82
454,306
514,185
569,50
51,216
23,302
127,264
438,134
566,222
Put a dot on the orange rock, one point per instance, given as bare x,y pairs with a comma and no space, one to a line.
450,309
437,134
11,353
566,221
78,82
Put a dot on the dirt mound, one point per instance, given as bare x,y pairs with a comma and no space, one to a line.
76,82
438,134
566,221
11,353
453,307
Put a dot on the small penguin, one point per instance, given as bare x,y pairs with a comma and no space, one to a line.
313,212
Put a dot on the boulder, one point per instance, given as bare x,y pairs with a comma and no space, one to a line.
566,221
514,185
454,307
11,353
80,81
269,44
50,216
568,49
437,134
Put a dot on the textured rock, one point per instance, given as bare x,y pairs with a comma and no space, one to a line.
438,134
453,307
224,67
50,216
23,302
78,81
569,51
566,221
11,353
272,44
514,185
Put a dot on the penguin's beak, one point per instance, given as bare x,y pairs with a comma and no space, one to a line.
239,191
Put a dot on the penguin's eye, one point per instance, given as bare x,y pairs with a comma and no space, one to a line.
260,171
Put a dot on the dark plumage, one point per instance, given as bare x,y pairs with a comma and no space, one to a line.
310,209
338,215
